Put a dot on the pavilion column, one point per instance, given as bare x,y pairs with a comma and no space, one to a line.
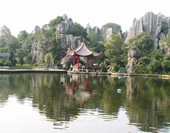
78,62
87,62
73,60
72,84
77,83
91,62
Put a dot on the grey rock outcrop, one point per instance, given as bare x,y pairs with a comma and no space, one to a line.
37,28
65,16
155,25
111,31
69,41
65,27
64,32
132,55
36,51
97,30
88,28
102,30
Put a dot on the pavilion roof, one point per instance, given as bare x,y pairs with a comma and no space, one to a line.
83,50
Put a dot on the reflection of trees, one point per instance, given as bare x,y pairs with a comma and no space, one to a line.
49,95
112,100
17,84
148,102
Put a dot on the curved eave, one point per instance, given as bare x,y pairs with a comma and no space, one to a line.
98,54
68,53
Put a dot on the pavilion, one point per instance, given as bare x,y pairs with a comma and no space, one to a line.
83,51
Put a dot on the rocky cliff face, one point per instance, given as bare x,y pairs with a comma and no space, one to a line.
155,25
35,50
132,55
64,32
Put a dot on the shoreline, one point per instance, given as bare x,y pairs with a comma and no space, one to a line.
42,70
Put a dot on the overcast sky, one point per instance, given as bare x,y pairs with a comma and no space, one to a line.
20,15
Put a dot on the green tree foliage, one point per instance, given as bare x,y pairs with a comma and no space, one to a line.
22,36
96,45
2,42
53,23
5,32
94,37
50,44
167,39
29,58
79,30
155,66
21,53
166,64
144,60
114,52
143,42
4,50
48,58
12,58
7,63
27,44
158,55
13,44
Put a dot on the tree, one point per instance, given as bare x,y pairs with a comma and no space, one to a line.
94,37
48,58
2,42
27,44
79,30
5,32
155,66
12,58
22,36
53,23
114,52
144,60
143,42
167,39
13,44
166,64
21,53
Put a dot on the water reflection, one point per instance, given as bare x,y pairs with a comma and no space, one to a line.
67,98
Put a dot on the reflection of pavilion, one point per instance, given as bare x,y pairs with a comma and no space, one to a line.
83,51
78,90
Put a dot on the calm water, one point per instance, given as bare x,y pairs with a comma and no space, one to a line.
52,103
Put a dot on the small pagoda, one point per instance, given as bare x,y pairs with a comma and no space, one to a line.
83,51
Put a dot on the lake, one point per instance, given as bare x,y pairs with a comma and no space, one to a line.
52,103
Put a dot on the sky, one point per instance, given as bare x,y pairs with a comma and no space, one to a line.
20,15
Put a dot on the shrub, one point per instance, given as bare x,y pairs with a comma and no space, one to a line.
1,64
36,64
155,66
7,63
104,68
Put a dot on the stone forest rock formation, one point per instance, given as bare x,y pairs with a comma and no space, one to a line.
132,55
158,26
64,32
88,28
37,28
35,50
106,32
